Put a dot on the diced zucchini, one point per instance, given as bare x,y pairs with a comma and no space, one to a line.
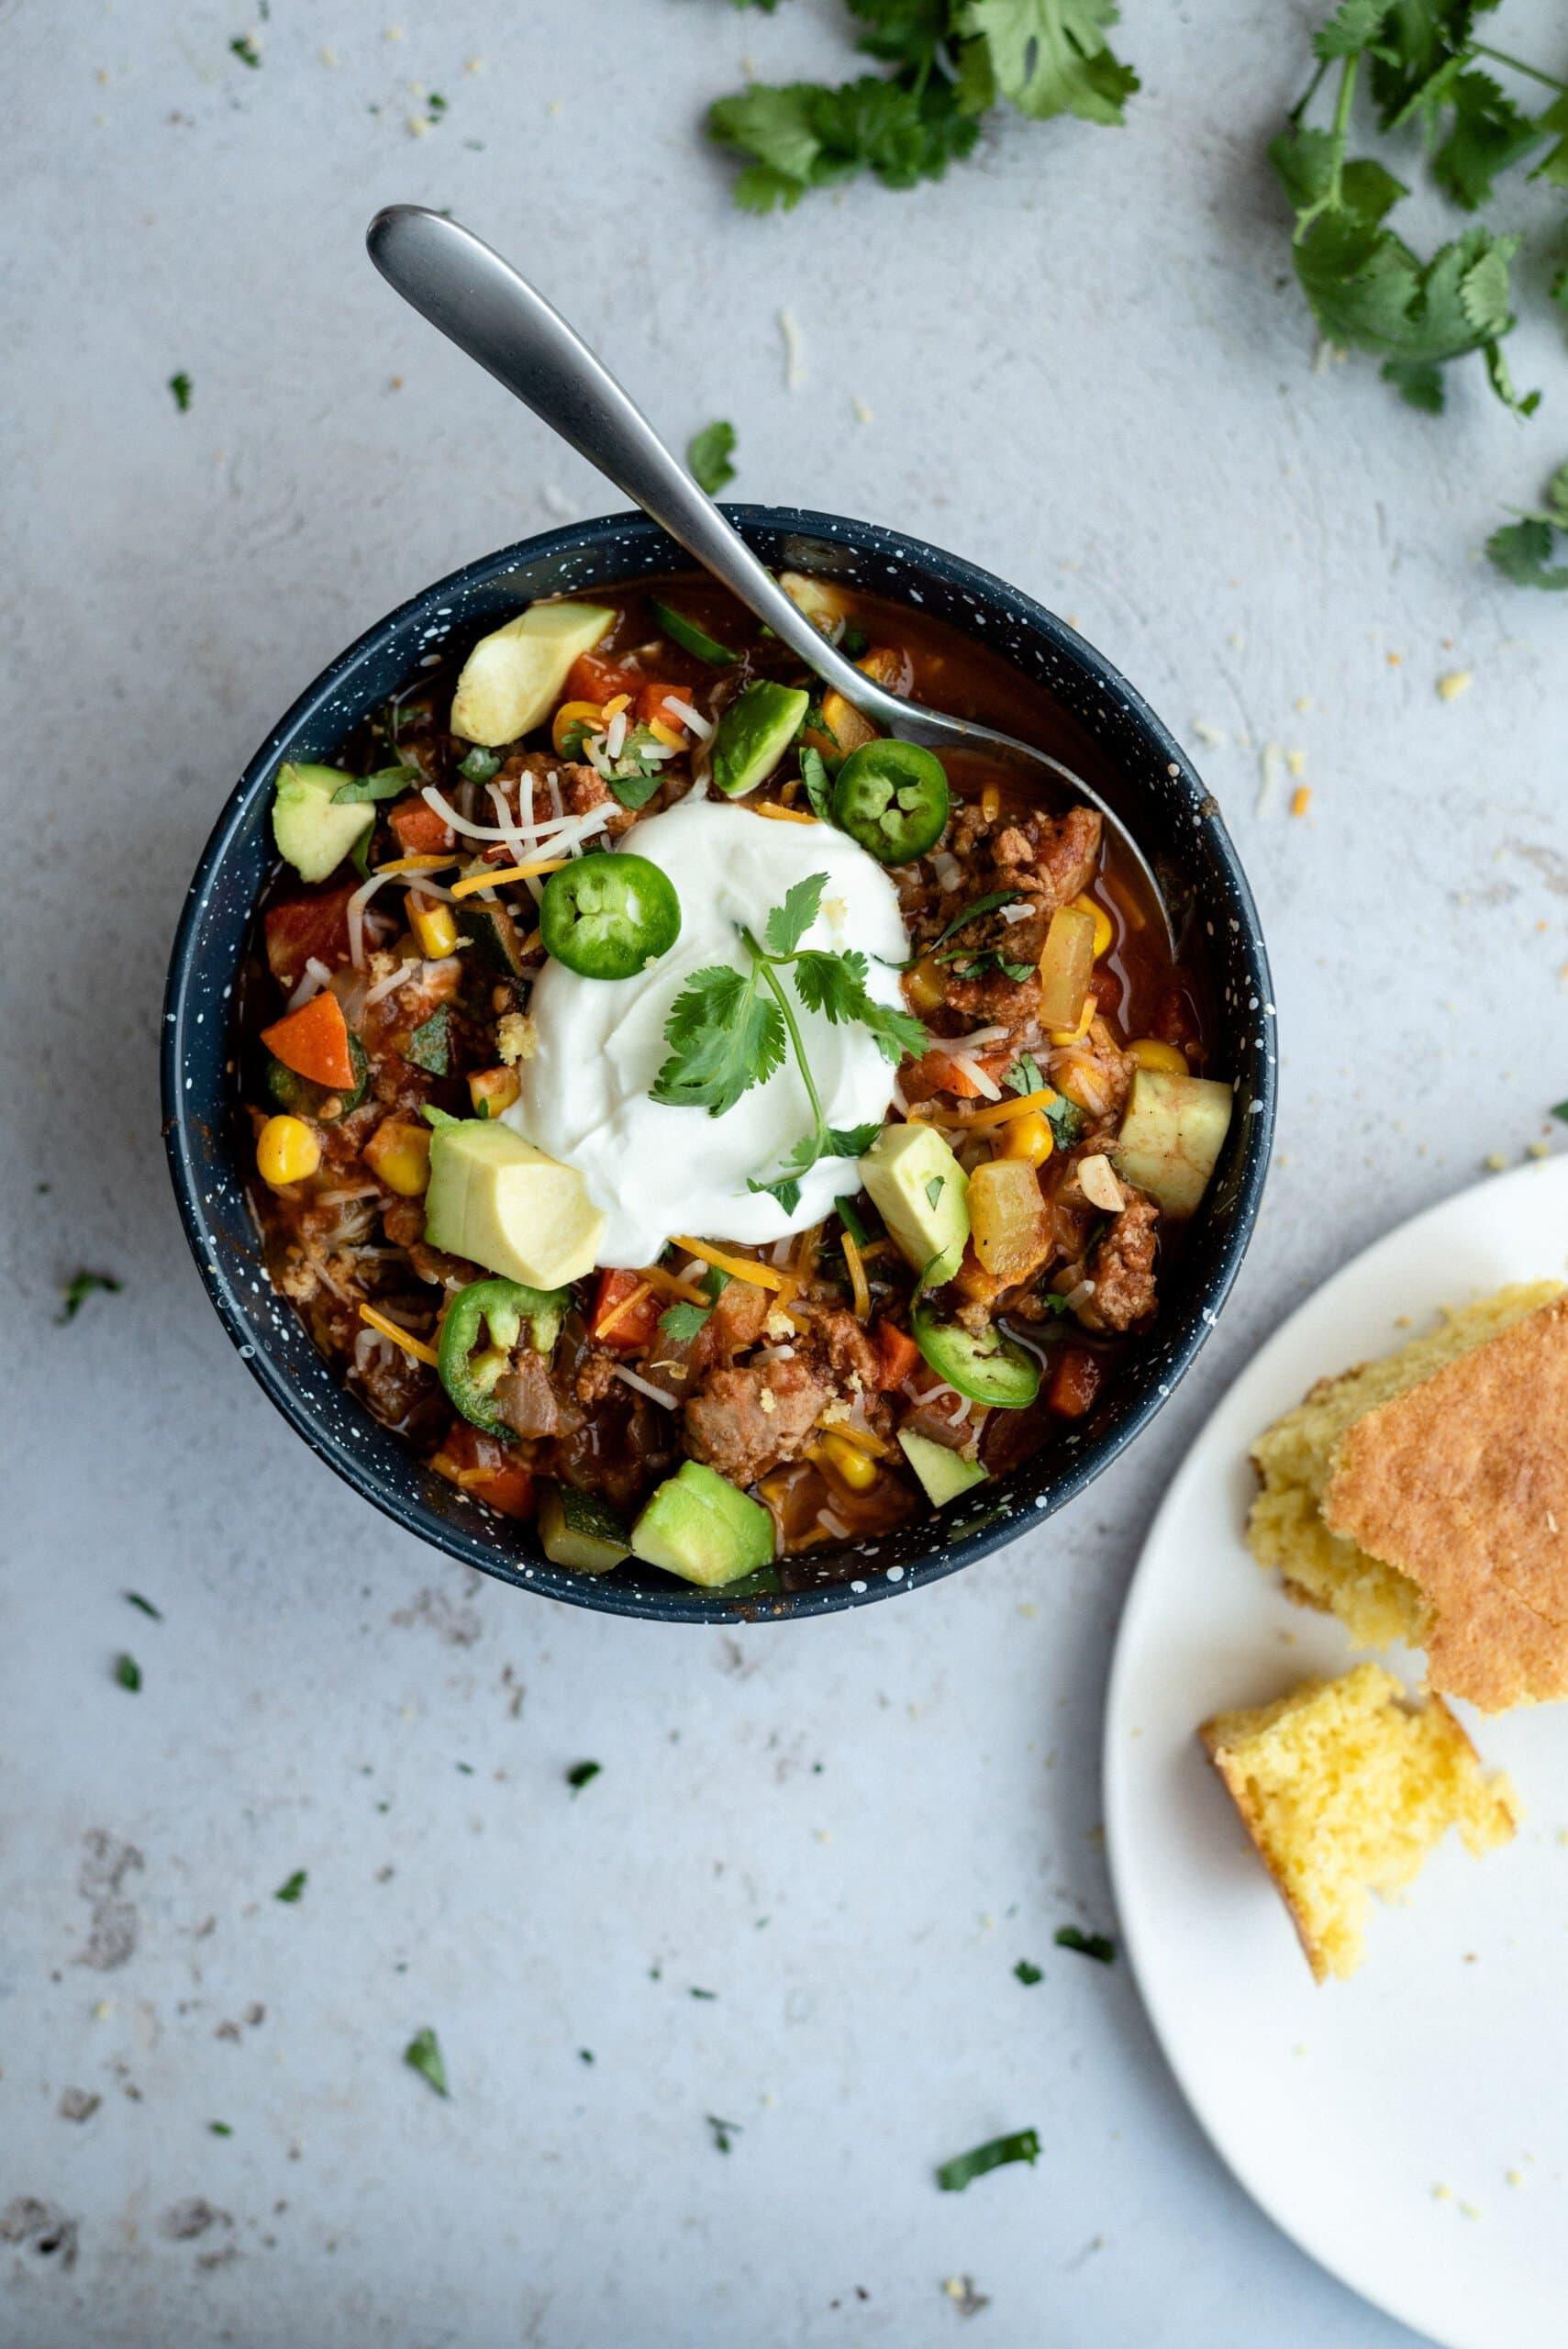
493,934
1171,1136
579,1531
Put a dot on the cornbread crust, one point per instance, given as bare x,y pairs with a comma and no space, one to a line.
1344,1787
1460,1484
1298,1456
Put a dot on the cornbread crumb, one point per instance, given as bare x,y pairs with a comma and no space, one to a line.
780,1329
1443,2194
1301,799
1494,1162
1455,682
1345,1786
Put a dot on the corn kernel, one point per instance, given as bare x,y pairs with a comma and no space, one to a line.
398,1155
1104,929
991,802
287,1151
1028,1138
924,985
1151,1053
1061,1036
491,1090
434,925
569,718
848,1462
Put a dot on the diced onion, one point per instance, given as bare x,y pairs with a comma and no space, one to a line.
645,1386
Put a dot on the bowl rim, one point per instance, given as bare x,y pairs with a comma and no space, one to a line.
605,1594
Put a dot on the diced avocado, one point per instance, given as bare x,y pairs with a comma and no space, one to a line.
1172,1135
313,834
503,1204
943,1472
512,679
493,934
754,733
704,1529
303,1097
921,1192
579,1531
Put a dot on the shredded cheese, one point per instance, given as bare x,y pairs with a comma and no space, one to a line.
858,1285
781,815
740,1268
633,1296
495,874
400,1337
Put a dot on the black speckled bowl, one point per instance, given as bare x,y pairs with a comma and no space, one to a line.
1137,764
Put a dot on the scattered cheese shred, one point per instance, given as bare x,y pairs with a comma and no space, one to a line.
415,864
1455,682
497,873
782,815
859,1288
633,1297
1301,799
740,1268
400,1337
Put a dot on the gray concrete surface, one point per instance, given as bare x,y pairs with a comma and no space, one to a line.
1081,365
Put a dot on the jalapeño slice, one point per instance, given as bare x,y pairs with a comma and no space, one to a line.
469,1371
607,916
988,1369
893,799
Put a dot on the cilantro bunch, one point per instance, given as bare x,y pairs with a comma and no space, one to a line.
729,1029
950,62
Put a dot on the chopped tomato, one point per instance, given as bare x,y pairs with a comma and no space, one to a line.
300,927
897,1355
591,679
421,829
1073,1382
650,704
480,1465
630,1330
314,1042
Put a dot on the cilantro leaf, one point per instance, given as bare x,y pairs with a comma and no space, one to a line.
246,51
1024,1077
479,766
788,923
423,2055
1022,2146
1026,1974
819,790
143,1606
291,1888
127,1673
1522,550
180,391
835,985
902,33
80,1287
1049,57
723,1038
1099,1946
803,135
1488,134
636,788
1065,1120
707,456
581,1775
1420,382
387,783
681,1322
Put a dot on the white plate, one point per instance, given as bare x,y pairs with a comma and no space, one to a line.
1408,2127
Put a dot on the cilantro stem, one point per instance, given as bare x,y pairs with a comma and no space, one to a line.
1342,132
765,963
1299,108
1532,73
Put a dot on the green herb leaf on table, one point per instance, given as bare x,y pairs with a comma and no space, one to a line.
80,1287
219,2129
1026,1974
1560,1109
423,2055
1021,2145
1099,1946
180,391
1523,551
1047,57
581,1772
292,1886
143,1606
430,1046
723,2130
708,453
127,1674
246,51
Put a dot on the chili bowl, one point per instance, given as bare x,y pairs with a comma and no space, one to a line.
1122,748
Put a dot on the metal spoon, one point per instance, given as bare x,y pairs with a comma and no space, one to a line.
479,301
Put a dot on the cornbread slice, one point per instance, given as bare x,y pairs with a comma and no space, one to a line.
1420,1497
1345,1786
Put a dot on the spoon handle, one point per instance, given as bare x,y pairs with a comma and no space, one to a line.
479,303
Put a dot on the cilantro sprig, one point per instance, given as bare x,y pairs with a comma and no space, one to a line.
729,1029
952,62
1522,550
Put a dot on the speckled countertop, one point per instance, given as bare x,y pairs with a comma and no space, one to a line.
793,1897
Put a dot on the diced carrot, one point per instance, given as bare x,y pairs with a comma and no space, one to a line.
934,1072
421,829
633,1328
314,1042
651,703
897,1355
300,927
1074,1382
591,679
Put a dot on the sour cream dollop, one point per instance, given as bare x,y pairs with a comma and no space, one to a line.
654,1170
